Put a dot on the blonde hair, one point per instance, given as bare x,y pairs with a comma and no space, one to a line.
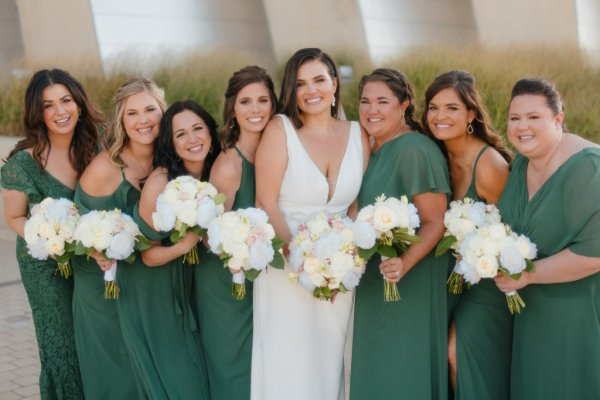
115,140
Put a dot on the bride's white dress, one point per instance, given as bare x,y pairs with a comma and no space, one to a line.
298,341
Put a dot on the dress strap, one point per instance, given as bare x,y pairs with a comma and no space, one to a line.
240,154
473,187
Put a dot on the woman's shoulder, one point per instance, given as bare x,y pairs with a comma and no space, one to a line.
491,163
100,173
227,165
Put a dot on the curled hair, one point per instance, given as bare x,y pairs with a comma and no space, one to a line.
400,87
85,138
165,155
543,87
465,88
230,132
287,96
115,140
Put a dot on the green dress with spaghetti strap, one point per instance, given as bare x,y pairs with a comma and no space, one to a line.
159,325
226,323
399,349
105,364
556,340
483,338
49,294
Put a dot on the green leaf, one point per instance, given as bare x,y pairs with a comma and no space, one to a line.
278,261
367,253
516,276
444,245
130,259
529,265
251,274
81,250
386,251
70,247
66,256
220,198
142,243
277,243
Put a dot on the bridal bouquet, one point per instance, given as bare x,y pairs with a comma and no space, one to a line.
115,236
386,227
49,232
187,204
463,217
324,258
246,243
496,248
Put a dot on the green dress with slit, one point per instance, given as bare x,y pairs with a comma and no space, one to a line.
159,326
49,294
399,349
556,339
105,364
226,323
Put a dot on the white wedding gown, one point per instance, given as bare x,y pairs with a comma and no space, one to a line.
298,342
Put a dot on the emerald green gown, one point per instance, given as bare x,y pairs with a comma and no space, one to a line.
483,338
226,323
556,340
105,364
49,293
159,326
399,349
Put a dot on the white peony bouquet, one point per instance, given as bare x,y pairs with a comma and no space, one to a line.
246,243
115,236
187,204
463,217
386,227
324,258
49,232
495,248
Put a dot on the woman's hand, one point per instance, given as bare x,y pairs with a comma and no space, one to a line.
392,269
187,242
103,263
507,284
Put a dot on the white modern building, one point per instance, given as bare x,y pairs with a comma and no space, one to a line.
101,32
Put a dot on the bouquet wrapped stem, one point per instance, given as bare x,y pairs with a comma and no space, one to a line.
64,269
515,302
238,285
455,283
111,289
191,257
390,291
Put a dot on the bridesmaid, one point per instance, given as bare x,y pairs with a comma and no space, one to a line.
61,137
158,318
111,181
399,348
552,197
456,118
226,323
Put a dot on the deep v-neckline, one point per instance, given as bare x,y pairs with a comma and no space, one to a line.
314,164
50,175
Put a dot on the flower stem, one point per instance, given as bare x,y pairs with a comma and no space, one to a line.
191,257
390,291
111,290
238,291
455,283
515,303
64,269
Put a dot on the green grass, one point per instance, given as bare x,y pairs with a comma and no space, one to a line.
203,77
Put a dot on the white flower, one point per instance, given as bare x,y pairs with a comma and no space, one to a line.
364,235
312,265
384,219
487,266
207,211
341,263
327,245
351,279
187,213
512,260
38,250
256,216
121,246
526,247
164,217
261,254
55,246
366,213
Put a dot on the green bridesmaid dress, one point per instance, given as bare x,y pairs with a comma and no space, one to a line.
106,367
556,339
226,323
399,349
48,292
160,327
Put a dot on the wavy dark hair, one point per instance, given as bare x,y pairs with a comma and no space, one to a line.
463,84
287,96
164,151
230,132
543,87
400,86
85,139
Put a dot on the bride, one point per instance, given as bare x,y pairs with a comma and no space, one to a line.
308,162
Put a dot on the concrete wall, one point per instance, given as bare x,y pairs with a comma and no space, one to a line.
11,43
588,24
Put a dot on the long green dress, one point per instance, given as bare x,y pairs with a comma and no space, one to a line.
49,293
483,338
106,367
556,340
399,348
226,323
160,327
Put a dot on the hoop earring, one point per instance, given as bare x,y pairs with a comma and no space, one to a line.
232,124
470,129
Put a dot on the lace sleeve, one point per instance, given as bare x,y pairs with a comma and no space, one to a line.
14,176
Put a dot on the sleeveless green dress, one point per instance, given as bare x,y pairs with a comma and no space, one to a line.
49,293
483,337
556,341
399,349
106,367
226,323
160,327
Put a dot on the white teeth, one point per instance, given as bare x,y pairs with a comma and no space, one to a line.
374,119
526,137
145,130
443,126
62,121
196,148
255,119
316,100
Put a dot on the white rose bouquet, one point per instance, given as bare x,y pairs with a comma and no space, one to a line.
495,248
463,217
324,258
49,232
115,236
246,243
187,204
386,227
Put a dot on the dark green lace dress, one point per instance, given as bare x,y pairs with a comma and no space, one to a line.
106,368
556,339
49,294
226,323
399,349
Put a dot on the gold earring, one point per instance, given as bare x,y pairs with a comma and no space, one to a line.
470,129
